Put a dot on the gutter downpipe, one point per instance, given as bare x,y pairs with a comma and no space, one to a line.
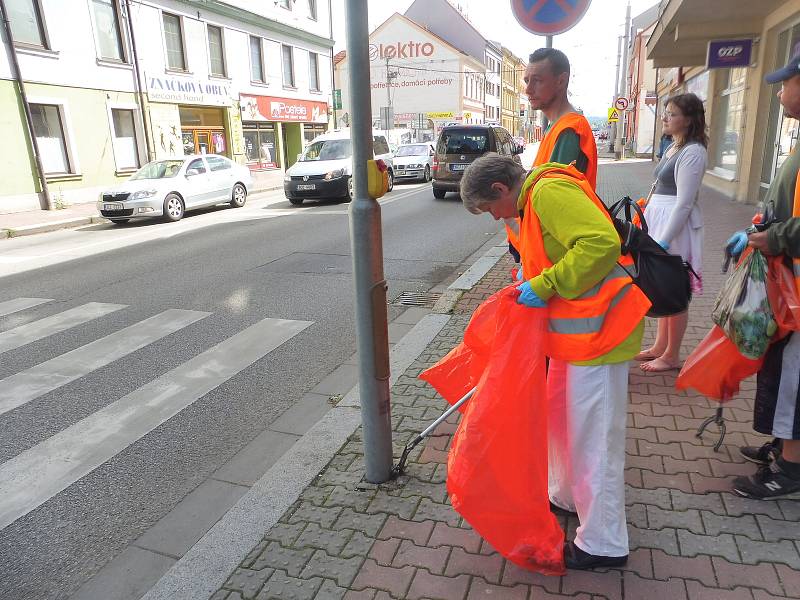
48,203
138,83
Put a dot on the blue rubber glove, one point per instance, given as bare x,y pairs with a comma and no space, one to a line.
664,245
520,276
736,243
528,297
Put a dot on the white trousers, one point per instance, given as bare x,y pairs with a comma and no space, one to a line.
586,429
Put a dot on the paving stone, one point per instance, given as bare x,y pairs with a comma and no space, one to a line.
607,584
790,509
368,594
367,524
718,545
673,481
489,567
633,478
359,544
743,524
640,561
773,530
347,479
700,465
709,502
284,587
220,595
315,495
659,497
433,559
330,591
513,575
289,560
760,595
248,581
695,451
445,535
393,505
664,539
314,536
703,485
415,487
652,463
356,499
309,513
435,587
417,531
688,519
253,554
736,505
731,575
341,462
480,590
383,551
790,578
341,570
393,580
666,566
661,421
753,552
638,588
444,513
647,434
698,591
636,515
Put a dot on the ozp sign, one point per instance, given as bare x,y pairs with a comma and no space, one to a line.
410,49
729,53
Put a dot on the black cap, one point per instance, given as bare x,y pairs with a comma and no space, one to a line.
791,69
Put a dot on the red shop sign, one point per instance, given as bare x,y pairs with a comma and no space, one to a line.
271,108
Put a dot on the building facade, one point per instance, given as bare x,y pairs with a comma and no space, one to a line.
510,91
640,118
114,84
494,62
750,137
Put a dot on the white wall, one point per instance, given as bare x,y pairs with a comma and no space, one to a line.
297,17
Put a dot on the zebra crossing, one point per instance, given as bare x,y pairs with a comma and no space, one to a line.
31,478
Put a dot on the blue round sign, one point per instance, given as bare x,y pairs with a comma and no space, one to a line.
549,17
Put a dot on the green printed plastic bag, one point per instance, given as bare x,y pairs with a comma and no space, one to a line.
742,308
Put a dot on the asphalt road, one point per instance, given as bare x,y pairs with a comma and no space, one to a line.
227,272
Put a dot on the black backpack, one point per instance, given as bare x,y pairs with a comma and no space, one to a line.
663,277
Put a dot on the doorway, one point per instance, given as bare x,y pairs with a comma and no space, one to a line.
204,141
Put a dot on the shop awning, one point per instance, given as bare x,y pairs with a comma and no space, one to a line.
684,28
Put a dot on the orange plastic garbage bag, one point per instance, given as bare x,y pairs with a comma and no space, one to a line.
783,297
497,465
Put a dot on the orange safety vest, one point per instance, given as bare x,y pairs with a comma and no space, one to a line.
601,318
796,213
580,125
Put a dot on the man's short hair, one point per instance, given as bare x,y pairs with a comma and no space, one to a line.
476,183
559,63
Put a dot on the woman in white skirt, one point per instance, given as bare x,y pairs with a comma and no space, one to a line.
674,217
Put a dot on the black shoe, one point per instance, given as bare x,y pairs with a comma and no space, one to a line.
558,510
769,483
762,455
575,558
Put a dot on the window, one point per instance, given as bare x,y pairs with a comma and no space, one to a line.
313,71
25,17
256,60
216,51
126,150
197,165
287,4
49,132
260,146
107,30
729,120
312,9
173,37
288,66
217,163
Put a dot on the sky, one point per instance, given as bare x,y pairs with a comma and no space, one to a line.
591,45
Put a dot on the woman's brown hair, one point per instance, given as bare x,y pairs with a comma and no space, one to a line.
692,108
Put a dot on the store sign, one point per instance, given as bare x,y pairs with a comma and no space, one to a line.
187,91
440,115
270,108
401,50
723,54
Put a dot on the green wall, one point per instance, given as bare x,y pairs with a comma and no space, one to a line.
17,167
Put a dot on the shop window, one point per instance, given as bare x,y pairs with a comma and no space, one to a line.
260,148
312,131
256,60
173,38
216,51
729,117
49,131
313,71
27,25
287,55
126,149
195,116
107,30
312,9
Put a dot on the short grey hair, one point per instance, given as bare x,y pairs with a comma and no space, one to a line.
476,183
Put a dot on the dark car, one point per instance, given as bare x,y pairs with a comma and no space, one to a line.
459,145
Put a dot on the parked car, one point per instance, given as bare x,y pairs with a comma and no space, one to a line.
520,141
413,161
168,188
325,168
458,146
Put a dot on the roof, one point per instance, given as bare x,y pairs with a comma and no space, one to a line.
339,57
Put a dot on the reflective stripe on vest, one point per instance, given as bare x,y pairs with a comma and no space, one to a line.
580,126
796,213
602,317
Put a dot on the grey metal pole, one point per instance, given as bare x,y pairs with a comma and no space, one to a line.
613,137
17,74
548,43
372,331
333,68
623,87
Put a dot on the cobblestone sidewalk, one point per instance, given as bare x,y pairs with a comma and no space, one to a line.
691,538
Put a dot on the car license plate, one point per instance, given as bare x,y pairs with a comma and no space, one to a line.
458,167
115,206
306,186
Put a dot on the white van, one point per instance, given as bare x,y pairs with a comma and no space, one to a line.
325,167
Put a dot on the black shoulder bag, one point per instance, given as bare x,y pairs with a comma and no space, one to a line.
663,277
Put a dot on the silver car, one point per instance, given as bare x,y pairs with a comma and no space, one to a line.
413,161
168,188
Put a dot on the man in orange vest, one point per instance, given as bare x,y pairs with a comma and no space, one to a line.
569,138
775,409
571,260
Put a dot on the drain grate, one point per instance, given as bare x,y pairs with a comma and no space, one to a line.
416,299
